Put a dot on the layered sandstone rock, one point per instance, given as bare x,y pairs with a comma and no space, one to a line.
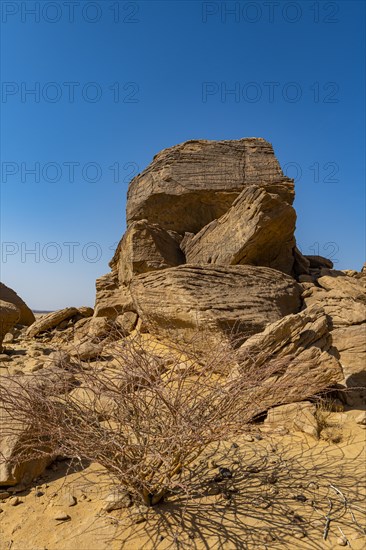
176,302
258,229
112,299
7,294
51,320
298,348
146,247
343,298
189,185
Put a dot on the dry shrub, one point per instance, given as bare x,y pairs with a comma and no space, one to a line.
148,413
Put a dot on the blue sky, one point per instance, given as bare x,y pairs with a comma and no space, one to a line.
116,82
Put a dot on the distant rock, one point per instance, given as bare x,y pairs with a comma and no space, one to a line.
8,295
51,320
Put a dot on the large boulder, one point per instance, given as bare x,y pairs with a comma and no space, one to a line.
258,229
222,301
146,247
9,316
290,335
189,185
9,295
51,320
295,352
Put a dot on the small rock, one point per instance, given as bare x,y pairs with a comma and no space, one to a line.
235,446
67,500
361,419
139,514
1,510
14,501
300,498
4,358
299,533
342,541
61,516
8,338
4,495
39,494
248,438
37,366
116,500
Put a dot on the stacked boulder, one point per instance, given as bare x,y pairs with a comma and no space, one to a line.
197,218
210,245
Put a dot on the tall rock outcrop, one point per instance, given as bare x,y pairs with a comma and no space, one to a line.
203,202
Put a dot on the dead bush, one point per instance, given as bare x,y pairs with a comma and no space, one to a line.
149,413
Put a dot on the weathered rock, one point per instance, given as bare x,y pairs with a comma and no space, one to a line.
145,247
288,336
127,321
26,316
9,316
86,350
59,359
295,416
61,515
51,320
176,302
343,298
112,299
293,351
86,311
116,500
93,329
189,185
350,347
258,229
301,263
318,262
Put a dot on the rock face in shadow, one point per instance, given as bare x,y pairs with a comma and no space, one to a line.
219,300
9,295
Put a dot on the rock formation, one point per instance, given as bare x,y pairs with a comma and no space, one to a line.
26,316
9,316
210,249
205,221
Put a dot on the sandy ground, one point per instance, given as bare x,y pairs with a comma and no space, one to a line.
283,488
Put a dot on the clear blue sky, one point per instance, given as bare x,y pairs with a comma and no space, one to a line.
112,89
